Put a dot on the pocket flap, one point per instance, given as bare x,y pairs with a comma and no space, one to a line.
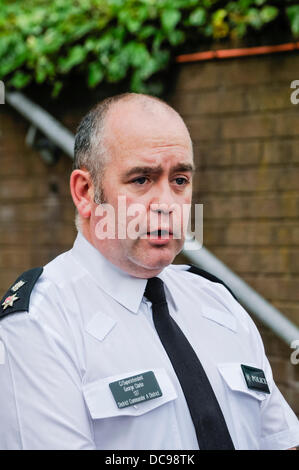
101,403
100,325
233,376
222,317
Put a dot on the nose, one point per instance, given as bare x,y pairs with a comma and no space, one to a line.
163,199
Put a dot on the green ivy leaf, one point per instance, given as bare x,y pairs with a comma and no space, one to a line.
170,18
56,89
269,13
198,17
76,55
137,53
176,37
20,79
146,32
293,15
114,39
254,18
95,74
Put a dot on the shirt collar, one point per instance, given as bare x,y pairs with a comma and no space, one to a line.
130,289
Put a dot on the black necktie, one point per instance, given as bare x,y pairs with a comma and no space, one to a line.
210,426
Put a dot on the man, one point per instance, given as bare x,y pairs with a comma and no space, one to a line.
113,347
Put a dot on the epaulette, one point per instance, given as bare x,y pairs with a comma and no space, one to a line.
195,270
17,297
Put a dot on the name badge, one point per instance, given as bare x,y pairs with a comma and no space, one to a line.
136,389
255,378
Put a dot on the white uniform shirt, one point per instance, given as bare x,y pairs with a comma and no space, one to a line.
89,325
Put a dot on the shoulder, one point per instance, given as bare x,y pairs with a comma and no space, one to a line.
211,277
200,276
17,298
210,293
38,288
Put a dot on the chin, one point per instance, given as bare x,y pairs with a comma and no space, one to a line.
158,261
155,258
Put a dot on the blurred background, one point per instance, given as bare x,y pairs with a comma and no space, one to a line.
229,68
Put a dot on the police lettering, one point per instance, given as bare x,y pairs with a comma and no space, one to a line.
259,380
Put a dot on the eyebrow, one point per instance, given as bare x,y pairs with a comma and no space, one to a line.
159,169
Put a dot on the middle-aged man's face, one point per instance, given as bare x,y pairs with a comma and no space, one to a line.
150,163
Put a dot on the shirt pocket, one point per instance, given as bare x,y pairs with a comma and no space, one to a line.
234,379
243,405
101,404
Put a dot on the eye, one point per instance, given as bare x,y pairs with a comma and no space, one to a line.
140,181
181,181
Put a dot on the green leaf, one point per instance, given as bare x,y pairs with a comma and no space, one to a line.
20,79
76,55
293,15
44,69
110,40
137,53
56,89
198,17
170,18
136,83
254,18
95,74
176,37
269,13
146,32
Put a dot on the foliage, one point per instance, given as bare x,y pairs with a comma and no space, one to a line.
110,40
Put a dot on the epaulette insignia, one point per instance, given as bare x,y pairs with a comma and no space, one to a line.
17,297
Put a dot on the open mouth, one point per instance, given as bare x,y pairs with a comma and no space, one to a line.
159,233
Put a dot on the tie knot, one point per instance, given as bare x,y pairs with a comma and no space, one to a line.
154,290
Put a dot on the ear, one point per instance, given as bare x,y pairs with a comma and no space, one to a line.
82,192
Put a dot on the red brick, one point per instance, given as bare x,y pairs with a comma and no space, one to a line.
266,179
275,347
278,288
213,155
252,260
266,98
210,102
8,276
287,124
247,153
203,129
196,76
289,307
252,126
253,232
268,206
12,189
15,257
281,151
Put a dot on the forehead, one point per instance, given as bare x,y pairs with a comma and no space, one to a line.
131,126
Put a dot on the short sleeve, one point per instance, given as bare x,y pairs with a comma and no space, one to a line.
42,405
280,425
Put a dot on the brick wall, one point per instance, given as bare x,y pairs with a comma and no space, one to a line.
36,212
246,140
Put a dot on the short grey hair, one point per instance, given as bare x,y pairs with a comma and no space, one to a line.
90,151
